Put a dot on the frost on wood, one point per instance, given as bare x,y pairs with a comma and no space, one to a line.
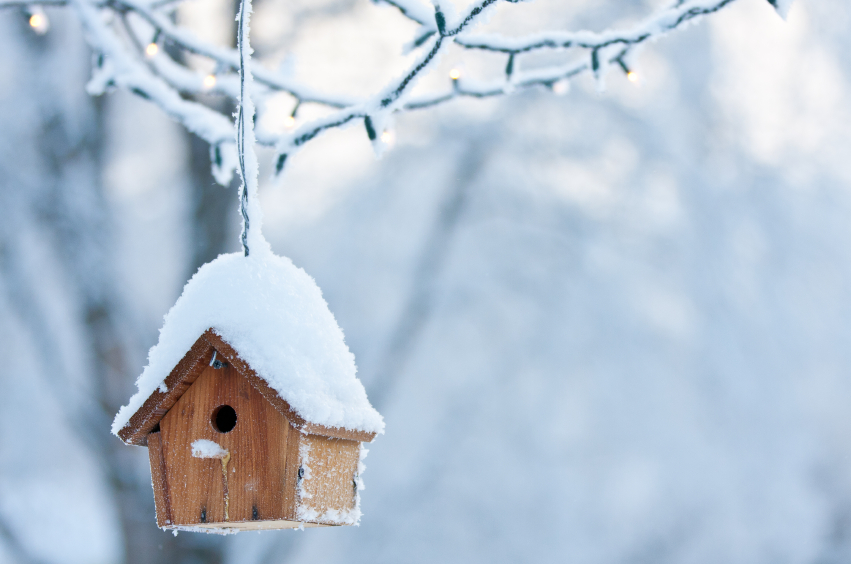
206,530
313,510
304,474
273,314
203,448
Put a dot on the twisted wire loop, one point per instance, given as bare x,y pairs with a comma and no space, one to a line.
240,131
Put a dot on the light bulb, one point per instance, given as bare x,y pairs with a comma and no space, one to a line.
289,122
39,23
387,137
561,87
209,81
455,74
632,76
152,49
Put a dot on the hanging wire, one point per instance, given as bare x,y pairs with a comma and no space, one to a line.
240,130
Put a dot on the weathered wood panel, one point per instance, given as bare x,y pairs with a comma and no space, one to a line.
261,525
330,483
257,446
179,380
293,463
158,480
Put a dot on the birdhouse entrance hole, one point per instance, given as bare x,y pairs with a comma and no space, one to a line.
223,419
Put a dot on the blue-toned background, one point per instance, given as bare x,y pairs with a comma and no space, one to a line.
602,327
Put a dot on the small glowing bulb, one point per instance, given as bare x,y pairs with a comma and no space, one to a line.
561,87
632,76
38,22
152,49
209,81
387,137
455,74
289,122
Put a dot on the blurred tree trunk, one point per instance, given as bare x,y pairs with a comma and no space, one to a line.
53,186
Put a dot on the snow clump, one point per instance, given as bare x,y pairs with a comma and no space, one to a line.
273,314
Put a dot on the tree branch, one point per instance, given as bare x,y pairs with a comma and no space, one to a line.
163,80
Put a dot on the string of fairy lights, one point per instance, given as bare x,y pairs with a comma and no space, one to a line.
154,66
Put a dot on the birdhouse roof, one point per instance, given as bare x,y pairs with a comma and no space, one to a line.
267,318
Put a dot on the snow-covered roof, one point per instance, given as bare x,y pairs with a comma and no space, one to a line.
273,315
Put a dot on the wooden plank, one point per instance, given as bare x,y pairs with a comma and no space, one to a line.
158,480
337,432
333,463
257,446
136,431
293,462
256,525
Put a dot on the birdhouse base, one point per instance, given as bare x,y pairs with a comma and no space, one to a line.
238,526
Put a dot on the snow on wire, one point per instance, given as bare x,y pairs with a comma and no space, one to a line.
248,168
121,61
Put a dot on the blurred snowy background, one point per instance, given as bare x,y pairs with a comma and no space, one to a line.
602,328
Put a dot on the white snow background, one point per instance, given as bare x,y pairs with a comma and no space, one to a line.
601,328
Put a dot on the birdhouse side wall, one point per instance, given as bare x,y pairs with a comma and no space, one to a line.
327,488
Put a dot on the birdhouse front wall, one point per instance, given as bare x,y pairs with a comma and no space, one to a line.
273,475
249,486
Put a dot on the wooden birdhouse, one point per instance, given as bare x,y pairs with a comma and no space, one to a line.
241,437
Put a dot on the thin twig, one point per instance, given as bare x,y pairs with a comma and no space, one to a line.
240,127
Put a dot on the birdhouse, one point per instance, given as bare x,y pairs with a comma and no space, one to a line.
259,423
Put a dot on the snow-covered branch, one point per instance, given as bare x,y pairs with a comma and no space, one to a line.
598,44
652,28
114,29
606,48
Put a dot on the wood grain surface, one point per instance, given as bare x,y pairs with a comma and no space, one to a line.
257,447
158,480
146,418
333,463
294,440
